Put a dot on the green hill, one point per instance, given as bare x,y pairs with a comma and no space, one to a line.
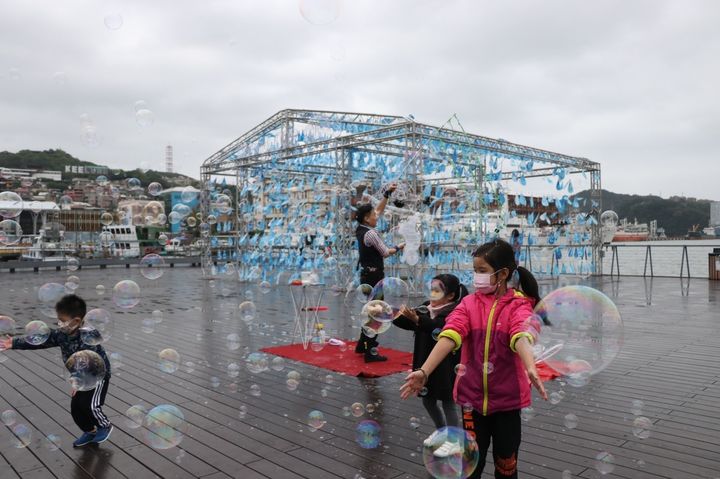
40,160
58,159
676,214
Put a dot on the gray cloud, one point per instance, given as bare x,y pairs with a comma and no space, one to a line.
628,84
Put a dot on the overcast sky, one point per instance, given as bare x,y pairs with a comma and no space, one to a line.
632,85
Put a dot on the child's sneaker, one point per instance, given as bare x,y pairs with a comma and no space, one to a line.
447,449
437,437
84,440
102,434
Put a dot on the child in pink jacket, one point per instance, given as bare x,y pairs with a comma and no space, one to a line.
496,332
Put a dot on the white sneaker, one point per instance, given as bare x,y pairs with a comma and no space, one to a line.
437,437
448,448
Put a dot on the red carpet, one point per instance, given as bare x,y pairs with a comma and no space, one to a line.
347,362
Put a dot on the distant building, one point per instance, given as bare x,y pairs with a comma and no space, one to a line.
19,173
715,213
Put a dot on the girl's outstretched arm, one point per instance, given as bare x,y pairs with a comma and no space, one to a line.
415,381
524,349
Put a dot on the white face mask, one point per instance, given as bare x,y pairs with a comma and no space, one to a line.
482,283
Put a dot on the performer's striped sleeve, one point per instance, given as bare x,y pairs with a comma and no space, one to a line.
372,238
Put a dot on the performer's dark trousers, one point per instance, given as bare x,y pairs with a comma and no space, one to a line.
365,344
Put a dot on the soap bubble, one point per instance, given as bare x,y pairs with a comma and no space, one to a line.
188,194
116,360
148,325
10,232
144,118
86,370
169,360
72,264
133,184
636,407
99,289
609,219
316,419
641,427
154,188
190,221
555,397
277,364
12,204
9,417
113,21
393,291
265,287
52,442
126,294
357,409
174,218
527,414
72,283
102,180
460,370
164,427
255,390
247,311
320,12
134,416
151,212
414,422
460,465
98,327
256,363
152,266
588,326
604,463
36,332
376,318
367,434
363,293
106,219
7,325
233,341
221,204
233,370
570,421
22,436
242,411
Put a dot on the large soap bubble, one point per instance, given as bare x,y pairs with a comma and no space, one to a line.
152,266
320,12
98,327
609,219
152,212
86,370
126,294
7,325
394,291
586,331
11,204
10,232
49,294
367,434
36,332
164,427
376,317
461,464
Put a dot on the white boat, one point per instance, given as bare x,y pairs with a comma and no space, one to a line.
49,245
120,241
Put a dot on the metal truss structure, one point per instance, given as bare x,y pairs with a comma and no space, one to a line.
342,156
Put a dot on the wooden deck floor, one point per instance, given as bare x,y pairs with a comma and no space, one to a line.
669,361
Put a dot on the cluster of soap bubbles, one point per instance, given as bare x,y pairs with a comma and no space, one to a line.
11,206
380,304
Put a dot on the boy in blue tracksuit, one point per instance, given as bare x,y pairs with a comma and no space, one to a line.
86,406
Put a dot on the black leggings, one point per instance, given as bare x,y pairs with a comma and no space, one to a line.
505,430
86,407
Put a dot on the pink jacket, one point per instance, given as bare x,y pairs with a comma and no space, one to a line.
487,328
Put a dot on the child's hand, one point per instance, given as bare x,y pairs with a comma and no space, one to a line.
537,382
410,314
413,384
5,343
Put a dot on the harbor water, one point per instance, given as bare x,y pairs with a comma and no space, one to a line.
666,257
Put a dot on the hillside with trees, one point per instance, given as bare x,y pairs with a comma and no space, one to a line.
676,214
58,159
